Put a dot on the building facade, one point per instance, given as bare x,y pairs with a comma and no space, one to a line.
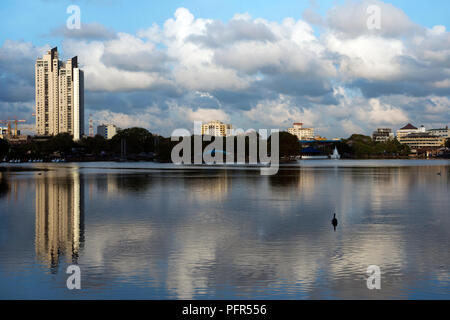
443,133
216,128
382,135
107,131
408,129
59,96
422,140
302,133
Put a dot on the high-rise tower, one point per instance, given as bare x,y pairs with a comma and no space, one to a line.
59,96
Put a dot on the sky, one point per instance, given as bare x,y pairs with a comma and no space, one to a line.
256,64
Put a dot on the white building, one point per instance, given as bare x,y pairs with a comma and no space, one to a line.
59,96
107,131
422,140
443,133
408,129
382,135
302,133
216,128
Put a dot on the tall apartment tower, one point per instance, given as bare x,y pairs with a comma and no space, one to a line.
59,96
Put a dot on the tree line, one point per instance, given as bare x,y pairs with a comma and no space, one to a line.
140,144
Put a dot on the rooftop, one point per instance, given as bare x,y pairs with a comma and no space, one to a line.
409,126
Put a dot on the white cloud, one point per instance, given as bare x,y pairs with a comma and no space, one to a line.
280,113
255,73
351,18
381,114
368,57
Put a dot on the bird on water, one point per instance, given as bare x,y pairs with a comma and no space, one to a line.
334,222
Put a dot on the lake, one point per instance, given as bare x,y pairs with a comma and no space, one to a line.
161,231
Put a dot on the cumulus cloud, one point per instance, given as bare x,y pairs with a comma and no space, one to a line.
339,78
87,31
281,112
101,76
351,18
131,53
381,114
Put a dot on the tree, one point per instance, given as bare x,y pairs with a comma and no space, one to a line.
289,145
137,140
62,143
94,145
361,146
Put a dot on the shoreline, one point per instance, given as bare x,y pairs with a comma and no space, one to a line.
150,165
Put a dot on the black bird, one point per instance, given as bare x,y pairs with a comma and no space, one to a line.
334,222
439,173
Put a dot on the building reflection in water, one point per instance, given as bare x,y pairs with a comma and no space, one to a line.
4,186
59,228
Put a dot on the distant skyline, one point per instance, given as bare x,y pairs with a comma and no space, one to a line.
258,64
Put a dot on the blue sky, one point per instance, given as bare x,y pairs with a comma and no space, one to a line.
255,64
29,19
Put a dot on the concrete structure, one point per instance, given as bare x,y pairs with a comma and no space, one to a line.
421,140
382,135
216,128
302,133
408,129
59,96
443,133
107,131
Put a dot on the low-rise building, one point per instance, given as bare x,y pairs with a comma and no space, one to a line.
107,131
408,129
17,139
302,133
382,135
444,132
422,140
216,128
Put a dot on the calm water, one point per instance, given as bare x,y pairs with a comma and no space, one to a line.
148,231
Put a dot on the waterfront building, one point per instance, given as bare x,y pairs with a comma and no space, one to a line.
382,135
420,140
443,132
408,129
107,131
59,90
301,133
216,128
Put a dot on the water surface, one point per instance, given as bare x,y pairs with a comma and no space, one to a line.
152,231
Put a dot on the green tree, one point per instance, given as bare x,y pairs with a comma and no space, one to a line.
289,145
94,145
62,143
137,140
